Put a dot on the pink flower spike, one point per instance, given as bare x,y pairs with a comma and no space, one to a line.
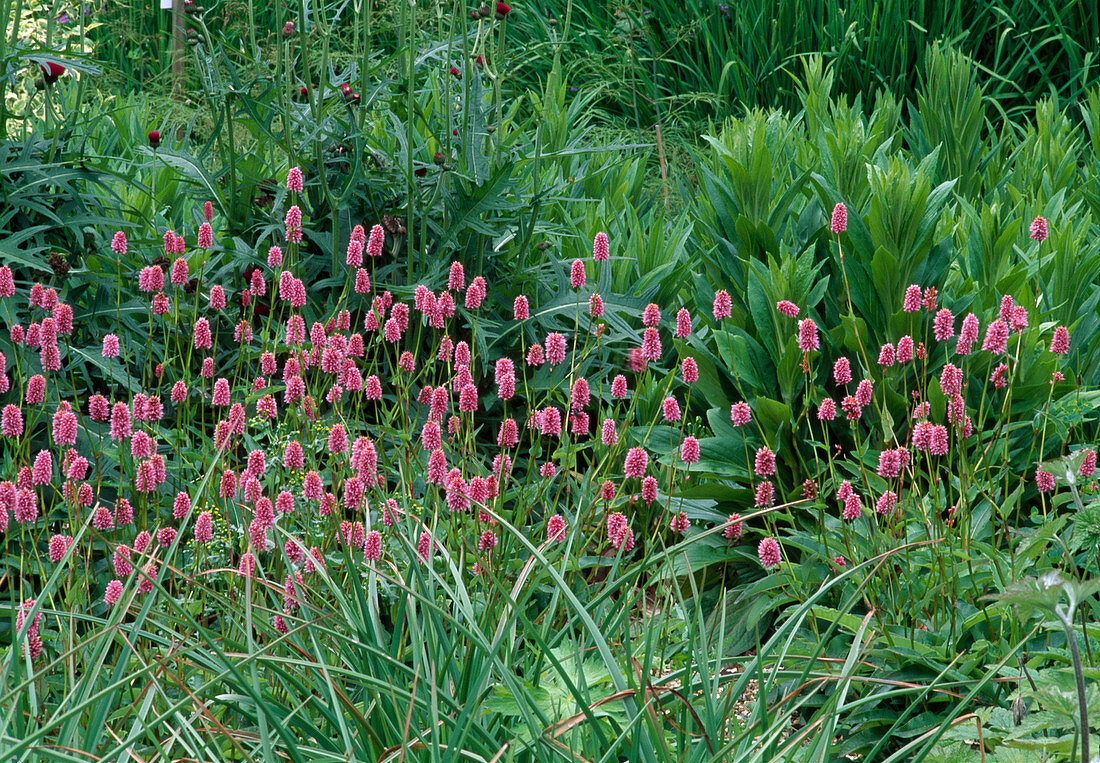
787,308
600,248
576,275
723,305
838,223
769,553
294,180
1059,345
1044,480
807,336
912,299
1038,229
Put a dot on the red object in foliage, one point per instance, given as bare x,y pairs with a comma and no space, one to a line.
51,71
154,138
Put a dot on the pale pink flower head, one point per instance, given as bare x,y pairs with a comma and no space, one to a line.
151,278
205,237
853,507
679,523
651,315
1018,323
968,334
740,414
112,593
11,422
203,339
769,553
886,355
838,223
787,307
651,345
1088,464
905,349
734,528
842,371
635,463
118,243
425,545
723,305
406,362
618,387
63,315
110,346
576,275
930,296
555,528
807,335
36,390
217,298
889,463
337,439
765,495
607,490
670,408
555,348
595,306
765,462
1044,480
886,502
456,280
59,544
601,249
683,323
851,407
912,299
690,371
372,546
864,392
520,308
293,223
103,519
689,450
354,257
375,241
996,337
1038,229
220,396
204,527
26,506
7,280
274,257
1059,345
294,180
121,422
617,528
951,379
943,325
475,295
